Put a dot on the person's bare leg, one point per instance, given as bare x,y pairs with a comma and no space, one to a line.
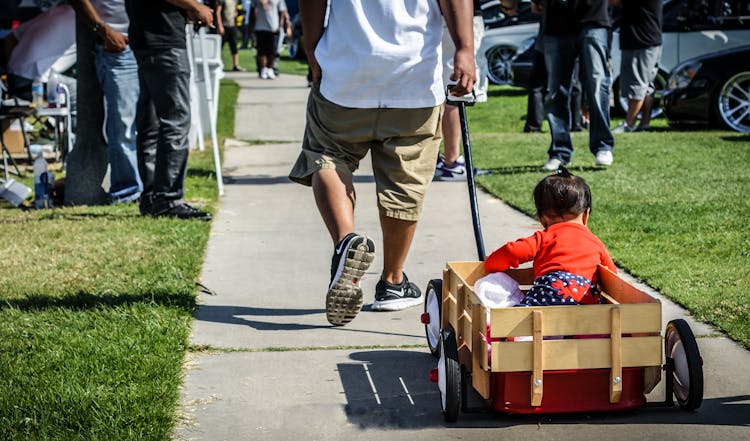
263,60
397,238
451,134
335,198
236,59
634,106
648,105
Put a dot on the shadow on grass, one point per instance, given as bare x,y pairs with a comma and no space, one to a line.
737,138
507,92
82,301
536,169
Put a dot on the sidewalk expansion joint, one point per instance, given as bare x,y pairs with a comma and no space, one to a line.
208,349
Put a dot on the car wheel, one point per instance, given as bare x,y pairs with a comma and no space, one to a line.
621,102
499,70
733,103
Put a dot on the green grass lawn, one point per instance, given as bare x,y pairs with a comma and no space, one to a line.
95,310
672,210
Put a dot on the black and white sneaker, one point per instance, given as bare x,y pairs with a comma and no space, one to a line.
351,258
390,297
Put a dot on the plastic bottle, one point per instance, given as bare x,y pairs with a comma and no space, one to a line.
41,182
37,92
62,98
52,83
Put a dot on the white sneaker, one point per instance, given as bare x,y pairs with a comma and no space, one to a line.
271,74
264,73
554,164
604,157
623,127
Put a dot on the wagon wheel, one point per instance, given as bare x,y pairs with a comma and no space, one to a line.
684,359
431,318
449,377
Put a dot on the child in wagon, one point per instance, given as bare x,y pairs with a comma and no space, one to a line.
565,254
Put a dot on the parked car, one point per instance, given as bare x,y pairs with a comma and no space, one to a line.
500,45
711,90
688,30
692,28
494,17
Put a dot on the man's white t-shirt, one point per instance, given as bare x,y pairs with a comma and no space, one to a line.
381,53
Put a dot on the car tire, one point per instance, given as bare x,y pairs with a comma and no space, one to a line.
730,100
499,69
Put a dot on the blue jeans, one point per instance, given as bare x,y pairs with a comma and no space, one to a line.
118,76
560,53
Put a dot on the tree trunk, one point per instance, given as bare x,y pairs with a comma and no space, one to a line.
87,162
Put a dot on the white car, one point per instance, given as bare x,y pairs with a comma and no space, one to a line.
500,45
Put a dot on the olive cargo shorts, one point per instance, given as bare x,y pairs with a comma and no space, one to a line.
404,145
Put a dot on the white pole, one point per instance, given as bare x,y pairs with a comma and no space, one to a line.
211,124
194,78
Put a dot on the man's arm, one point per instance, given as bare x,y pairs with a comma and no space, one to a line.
219,21
459,15
196,12
113,41
313,14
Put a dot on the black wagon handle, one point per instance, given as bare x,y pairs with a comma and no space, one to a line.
461,103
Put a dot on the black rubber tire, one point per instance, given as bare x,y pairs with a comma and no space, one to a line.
451,399
683,355
433,304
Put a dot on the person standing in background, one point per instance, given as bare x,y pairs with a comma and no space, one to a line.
117,72
640,43
577,28
268,16
451,165
158,39
226,13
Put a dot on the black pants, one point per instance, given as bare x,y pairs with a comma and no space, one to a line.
538,91
230,36
163,123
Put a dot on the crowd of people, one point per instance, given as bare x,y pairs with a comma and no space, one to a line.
381,93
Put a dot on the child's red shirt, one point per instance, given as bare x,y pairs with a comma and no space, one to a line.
564,246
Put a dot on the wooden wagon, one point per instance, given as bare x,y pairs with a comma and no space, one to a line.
556,359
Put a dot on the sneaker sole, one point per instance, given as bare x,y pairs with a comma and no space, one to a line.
397,304
344,298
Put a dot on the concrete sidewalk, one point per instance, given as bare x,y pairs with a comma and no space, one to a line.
274,369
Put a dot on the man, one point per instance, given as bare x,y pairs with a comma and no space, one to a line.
574,28
117,72
451,165
640,43
268,19
379,92
226,12
157,36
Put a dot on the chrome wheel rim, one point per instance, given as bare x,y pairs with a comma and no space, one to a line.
734,102
498,64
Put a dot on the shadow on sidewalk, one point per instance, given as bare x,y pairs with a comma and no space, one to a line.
390,389
275,180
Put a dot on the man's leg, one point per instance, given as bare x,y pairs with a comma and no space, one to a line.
118,75
559,56
648,106
634,107
596,82
451,134
335,198
397,237
537,92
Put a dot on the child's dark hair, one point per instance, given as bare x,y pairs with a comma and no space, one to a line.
562,193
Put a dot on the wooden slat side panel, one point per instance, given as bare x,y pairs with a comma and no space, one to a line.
446,292
575,354
621,290
478,337
480,374
615,375
576,320
464,318
468,272
537,360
